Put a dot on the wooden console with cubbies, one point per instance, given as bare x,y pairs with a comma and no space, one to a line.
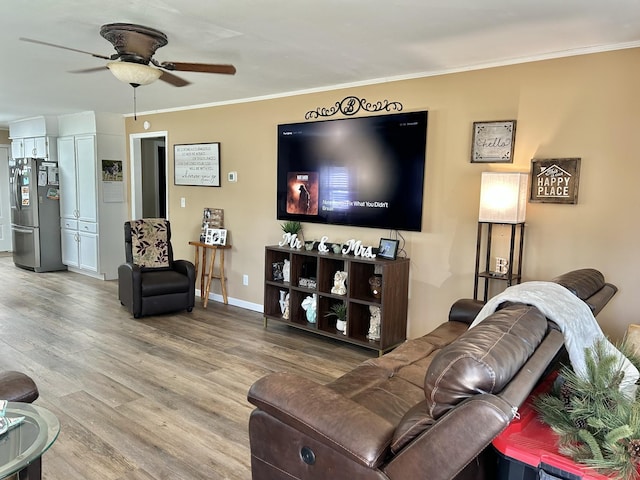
312,265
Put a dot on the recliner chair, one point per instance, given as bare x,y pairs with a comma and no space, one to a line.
151,281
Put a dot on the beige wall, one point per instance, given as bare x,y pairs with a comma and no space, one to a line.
585,106
4,137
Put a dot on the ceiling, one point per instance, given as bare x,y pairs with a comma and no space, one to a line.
286,46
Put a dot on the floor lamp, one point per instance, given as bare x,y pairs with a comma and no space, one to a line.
503,201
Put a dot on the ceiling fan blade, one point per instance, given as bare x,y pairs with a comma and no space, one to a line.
89,70
199,67
39,42
174,80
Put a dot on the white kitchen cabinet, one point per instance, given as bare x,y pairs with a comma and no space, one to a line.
88,251
80,250
78,178
92,217
34,147
67,173
40,147
34,137
88,170
17,148
70,249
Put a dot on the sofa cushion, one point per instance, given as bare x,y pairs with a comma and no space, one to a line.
415,421
390,385
484,358
163,282
390,400
415,351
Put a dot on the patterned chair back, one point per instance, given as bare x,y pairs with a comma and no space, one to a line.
148,243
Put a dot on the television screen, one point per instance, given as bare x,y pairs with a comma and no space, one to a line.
365,171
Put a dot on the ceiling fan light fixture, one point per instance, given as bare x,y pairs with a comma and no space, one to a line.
134,73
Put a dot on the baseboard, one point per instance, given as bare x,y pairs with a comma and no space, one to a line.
255,307
99,276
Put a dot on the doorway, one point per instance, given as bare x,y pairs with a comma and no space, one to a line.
6,244
149,187
154,177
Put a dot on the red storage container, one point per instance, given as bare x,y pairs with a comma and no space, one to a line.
528,451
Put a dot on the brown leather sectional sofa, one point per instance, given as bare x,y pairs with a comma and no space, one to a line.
428,409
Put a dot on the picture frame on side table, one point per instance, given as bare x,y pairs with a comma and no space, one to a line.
493,142
215,236
388,248
211,218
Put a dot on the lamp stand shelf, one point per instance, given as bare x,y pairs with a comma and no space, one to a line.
512,276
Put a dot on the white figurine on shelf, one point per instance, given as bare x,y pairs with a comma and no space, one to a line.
286,271
309,306
285,314
374,323
283,302
339,280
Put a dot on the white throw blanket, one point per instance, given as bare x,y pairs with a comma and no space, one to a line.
575,319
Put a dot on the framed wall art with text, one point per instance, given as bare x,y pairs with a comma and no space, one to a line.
493,142
555,180
197,164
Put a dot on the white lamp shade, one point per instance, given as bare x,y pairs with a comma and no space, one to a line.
134,73
503,197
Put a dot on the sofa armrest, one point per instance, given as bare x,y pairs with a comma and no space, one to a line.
599,300
326,416
465,310
187,268
17,387
456,439
130,286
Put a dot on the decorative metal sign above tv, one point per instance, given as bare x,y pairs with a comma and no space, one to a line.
360,171
351,105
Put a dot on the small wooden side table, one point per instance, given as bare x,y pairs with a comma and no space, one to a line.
208,273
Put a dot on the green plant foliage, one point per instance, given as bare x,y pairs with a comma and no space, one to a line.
291,227
596,424
338,310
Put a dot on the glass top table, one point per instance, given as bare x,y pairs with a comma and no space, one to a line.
23,445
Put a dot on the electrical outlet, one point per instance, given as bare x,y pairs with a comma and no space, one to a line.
245,279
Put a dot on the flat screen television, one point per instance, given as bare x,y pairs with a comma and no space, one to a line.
363,172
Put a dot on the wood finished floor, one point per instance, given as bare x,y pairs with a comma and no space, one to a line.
156,398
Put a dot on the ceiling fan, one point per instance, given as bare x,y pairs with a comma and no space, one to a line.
135,46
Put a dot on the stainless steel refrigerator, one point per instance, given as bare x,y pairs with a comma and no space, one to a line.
35,214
